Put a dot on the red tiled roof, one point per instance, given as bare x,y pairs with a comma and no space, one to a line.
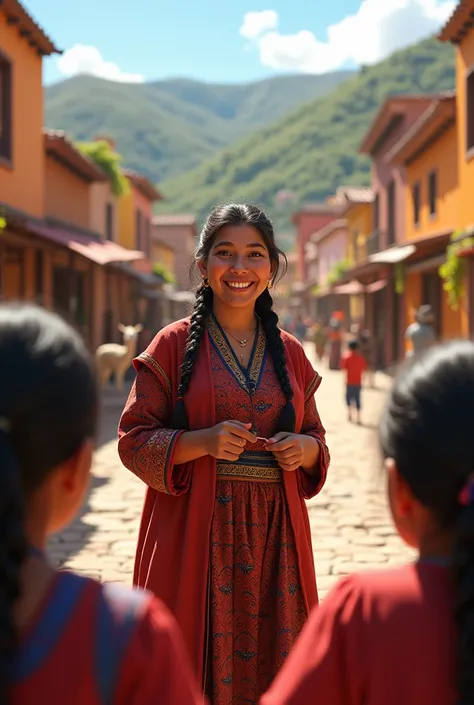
174,219
98,251
440,114
29,29
143,184
459,24
57,144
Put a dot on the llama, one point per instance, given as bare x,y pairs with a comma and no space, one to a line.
112,358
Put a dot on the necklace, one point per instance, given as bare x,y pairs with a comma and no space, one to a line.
242,342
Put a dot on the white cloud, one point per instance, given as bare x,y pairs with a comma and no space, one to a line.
81,59
257,23
379,28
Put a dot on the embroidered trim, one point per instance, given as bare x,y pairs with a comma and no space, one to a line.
229,358
155,468
314,384
149,360
248,472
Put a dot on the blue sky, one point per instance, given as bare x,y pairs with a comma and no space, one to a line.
208,40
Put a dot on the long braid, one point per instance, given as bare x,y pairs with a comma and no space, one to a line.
201,312
12,556
264,309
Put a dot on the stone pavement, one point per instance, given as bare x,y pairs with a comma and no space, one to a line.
350,522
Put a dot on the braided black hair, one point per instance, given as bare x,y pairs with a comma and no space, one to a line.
237,214
427,429
48,408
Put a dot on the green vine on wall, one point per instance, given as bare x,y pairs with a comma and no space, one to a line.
163,273
453,270
109,161
338,271
399,278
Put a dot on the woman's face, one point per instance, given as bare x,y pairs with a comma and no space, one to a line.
238,267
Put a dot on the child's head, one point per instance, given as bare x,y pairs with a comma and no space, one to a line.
48,413
426,430
353,345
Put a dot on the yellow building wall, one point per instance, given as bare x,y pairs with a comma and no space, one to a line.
164,256
441,156
464,63
126,221
22,183
359,221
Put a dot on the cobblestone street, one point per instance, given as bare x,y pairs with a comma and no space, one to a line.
350,522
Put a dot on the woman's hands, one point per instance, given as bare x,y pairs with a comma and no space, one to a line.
228,439
294,450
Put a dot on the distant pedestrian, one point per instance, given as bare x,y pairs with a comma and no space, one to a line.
366,349
320,338
354,365
421,333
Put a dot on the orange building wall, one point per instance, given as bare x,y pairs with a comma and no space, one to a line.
22,185
100,195
465,61
67,197
442,156
359,219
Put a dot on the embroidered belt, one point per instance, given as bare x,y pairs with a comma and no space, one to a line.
253,466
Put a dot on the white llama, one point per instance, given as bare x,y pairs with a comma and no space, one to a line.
112,358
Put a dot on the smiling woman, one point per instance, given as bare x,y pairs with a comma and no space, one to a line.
225,538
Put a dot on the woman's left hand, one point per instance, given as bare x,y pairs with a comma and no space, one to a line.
288,449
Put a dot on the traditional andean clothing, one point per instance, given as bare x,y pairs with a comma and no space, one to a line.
227,546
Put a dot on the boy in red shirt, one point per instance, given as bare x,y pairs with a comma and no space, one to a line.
354,365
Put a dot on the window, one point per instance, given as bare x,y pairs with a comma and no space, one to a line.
138,231
470,111
39,276
109,221
433,191
391,213
376,213
147,237
416,193
6,108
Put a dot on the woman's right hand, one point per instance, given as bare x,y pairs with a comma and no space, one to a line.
227,440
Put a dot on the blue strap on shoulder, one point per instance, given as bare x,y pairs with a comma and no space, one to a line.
49,628
118,611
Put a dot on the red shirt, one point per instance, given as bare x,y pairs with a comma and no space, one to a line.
379,638
93,644
355,365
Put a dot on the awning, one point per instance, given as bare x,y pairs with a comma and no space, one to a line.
376,286
98,251
351,288
393,255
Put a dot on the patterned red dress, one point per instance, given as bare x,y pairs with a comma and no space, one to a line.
260,585
257,606
93,644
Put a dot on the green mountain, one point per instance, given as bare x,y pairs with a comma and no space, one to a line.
314,149
165,128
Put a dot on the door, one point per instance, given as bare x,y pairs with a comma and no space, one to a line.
432,294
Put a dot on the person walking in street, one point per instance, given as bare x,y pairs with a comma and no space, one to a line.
335,340
65,638
320,339
420,334
222,426
354,366
404,634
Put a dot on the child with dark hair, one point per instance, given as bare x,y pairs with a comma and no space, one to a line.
354,365
222,426
65,638
406,634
